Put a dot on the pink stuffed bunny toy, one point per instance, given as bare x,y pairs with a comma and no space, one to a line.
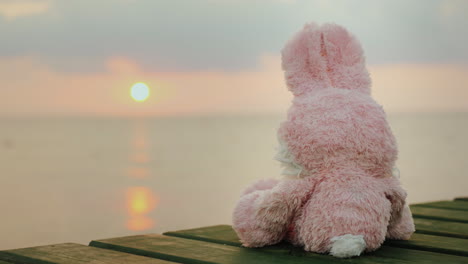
339,194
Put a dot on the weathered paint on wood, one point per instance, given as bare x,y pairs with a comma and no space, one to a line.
440,214
225,234
70,253
447,245
441,228
196,251
450,205
193,251
222,234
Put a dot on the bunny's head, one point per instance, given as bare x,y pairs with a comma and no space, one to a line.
333,122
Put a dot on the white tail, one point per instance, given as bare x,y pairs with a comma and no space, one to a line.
347,246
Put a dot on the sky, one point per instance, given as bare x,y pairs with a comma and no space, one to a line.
81,57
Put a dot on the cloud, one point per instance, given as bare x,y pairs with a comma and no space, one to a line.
12,9
81,35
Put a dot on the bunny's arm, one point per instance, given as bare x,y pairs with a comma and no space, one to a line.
262,217
401,224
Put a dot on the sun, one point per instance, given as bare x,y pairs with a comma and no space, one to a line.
139,92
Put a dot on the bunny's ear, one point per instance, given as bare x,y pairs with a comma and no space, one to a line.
345,59
322,58
302,62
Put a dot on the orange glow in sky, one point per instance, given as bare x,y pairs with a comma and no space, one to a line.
160,75
398,87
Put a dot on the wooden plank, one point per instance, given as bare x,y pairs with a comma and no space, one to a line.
439,214
70,253
441,244
193,251
221,234
450,205
196,251
225,234
441,228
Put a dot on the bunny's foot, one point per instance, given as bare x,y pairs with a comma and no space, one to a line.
403,228
248,226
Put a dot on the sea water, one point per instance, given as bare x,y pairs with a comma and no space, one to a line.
78,179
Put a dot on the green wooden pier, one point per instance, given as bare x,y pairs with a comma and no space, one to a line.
441,237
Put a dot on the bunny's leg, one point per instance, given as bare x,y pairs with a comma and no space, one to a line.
342,229
402,228
242,217
261,217
401,225
344,221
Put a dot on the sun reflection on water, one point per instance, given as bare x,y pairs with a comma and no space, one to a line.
139,157
138,172
140,223
140,201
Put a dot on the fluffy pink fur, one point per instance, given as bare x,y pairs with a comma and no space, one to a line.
340,138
